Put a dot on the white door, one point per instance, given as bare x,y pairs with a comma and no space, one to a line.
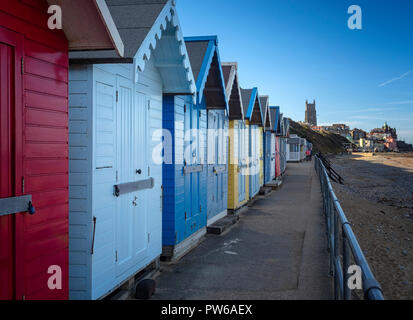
273,156
131,222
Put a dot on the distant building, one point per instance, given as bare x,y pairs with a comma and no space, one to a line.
357,134
391,144
365,144
310,113
383,133
319,128
341,129
378,146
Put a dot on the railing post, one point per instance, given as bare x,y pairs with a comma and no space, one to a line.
337,292
331,235
346,265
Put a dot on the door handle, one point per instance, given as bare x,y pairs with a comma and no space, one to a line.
139,171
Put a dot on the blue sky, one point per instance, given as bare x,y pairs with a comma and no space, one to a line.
295,50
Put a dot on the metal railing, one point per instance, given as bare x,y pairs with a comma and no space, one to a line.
339,231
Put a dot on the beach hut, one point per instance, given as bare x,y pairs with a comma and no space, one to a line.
261,153
254,120
275,111
281,133
278,143
293,148
285,128
303,148
195,183
117,144
268,143
274,114
206,64
238,180
34,229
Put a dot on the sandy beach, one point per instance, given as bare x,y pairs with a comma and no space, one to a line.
377,197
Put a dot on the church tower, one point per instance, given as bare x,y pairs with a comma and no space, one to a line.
310,113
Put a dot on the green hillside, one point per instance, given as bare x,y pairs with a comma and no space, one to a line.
322,142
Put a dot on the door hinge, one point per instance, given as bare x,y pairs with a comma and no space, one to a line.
185,215
116,256
117,96
149,237
22,65
161,198
93,236
149,104
200,208
184,107
149,171
22,185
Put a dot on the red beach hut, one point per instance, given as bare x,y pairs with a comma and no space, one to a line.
34,138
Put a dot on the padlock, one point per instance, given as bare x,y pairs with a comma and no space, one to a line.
31,209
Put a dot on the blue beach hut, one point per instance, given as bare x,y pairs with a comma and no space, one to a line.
115,115
268,141
195,182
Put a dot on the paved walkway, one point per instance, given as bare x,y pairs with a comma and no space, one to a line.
276,251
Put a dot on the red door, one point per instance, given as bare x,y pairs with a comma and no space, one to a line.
10,151
6,169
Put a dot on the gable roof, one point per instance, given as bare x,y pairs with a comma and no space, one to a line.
280,130
233,90
143,26
275,116
206,66
88,25
252,106
265,103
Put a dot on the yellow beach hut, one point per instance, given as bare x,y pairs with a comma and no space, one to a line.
238,179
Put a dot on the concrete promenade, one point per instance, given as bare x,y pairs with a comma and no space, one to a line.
276,251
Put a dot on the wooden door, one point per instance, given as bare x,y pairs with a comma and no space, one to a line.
132,153
241,161
6,170
192,179
11,246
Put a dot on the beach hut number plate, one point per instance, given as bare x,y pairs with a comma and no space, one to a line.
193,169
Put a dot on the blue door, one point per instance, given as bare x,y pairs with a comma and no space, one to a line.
192,178
267,156
254,160
217,164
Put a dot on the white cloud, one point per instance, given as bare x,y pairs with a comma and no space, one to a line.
367,110
402,102
395,79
